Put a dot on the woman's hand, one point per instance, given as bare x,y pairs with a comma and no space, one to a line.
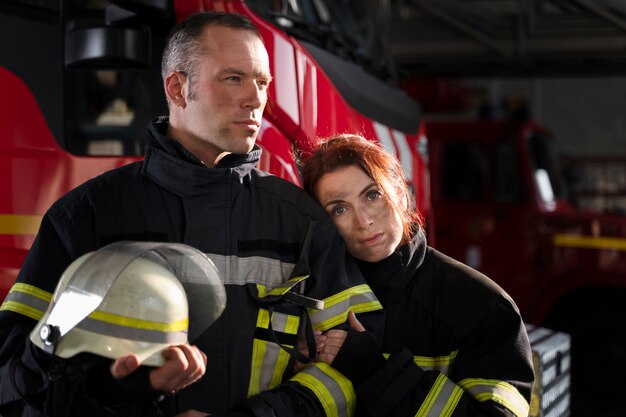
335,339
320,342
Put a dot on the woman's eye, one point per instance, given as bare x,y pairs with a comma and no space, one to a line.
373,195
337,211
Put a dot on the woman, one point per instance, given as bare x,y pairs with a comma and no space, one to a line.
454,340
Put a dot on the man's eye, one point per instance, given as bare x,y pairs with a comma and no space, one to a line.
234,78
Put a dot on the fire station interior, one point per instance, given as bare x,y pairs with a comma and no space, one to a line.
561,63
544,77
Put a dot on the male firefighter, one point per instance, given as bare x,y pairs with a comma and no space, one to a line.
276,250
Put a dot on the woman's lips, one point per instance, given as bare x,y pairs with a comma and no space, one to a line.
372,239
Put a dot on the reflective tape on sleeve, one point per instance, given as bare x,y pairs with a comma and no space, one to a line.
269,360
333,390
31,301
27,300
441,400
433,363
498,391
359,299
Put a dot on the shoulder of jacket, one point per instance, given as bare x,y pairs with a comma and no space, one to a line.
81,198
445,282
288,193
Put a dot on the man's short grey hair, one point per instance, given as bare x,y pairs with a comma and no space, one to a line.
184,47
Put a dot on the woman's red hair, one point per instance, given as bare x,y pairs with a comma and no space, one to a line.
339,151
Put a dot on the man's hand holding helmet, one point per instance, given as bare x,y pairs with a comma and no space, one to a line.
184,365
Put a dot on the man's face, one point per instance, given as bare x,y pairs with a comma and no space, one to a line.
229,92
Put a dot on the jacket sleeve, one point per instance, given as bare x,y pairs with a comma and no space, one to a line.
23,374
333,278
491,376
26,381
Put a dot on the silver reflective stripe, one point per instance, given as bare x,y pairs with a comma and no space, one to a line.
132,333
252,270
340,309
335,391
270,359
272,350
501,392
92,280
442,399
25,303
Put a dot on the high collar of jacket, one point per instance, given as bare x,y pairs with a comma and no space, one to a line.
176,169
390,277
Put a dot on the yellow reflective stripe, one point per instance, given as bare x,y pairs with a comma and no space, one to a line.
23,309
262,290
589,242
442,399
498,391
344,383
32,290
429,401
19,224
289,325
433,363
279,370
359,299
287,285
258,353
292,324
453,400
18,301
345,294
333,390
269,360
177,326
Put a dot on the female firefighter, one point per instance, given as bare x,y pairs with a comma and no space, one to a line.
454,343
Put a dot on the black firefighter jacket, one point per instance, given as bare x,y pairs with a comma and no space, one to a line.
455,342
266,236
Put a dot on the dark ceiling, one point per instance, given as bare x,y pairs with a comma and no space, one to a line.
508,37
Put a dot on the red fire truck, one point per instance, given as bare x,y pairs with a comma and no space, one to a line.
80,81
500,207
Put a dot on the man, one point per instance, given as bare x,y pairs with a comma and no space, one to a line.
276,250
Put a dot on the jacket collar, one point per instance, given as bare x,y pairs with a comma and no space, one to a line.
174,168
390,277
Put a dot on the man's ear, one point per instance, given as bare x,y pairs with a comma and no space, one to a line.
175,85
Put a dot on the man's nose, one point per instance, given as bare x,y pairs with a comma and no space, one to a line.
255,96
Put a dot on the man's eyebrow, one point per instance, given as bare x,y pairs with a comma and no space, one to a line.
232,71
237,71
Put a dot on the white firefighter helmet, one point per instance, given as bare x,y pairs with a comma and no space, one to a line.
131,297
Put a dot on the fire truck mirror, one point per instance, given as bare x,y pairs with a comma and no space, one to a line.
108,47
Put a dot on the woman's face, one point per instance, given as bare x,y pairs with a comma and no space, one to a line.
370,228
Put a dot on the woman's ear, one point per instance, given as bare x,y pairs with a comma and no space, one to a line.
175,85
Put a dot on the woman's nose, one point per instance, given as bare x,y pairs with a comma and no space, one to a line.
363,218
